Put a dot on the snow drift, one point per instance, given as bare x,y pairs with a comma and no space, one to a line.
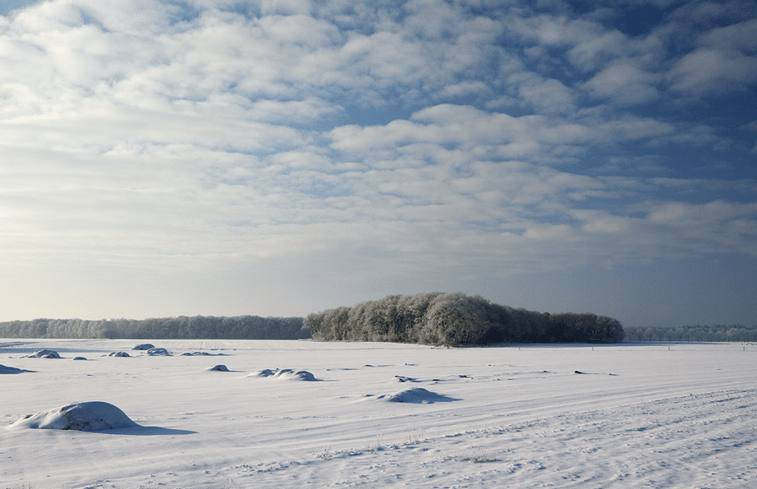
11,370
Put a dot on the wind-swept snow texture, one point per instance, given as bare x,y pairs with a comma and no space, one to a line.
644,415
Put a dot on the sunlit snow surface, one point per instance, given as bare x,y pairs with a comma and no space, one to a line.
678,415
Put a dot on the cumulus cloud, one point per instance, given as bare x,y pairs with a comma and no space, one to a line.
546,95
711,70
625,84
724,58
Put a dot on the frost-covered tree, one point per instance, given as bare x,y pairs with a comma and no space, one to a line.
453,319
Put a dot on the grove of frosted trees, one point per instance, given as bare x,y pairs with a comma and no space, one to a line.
455,319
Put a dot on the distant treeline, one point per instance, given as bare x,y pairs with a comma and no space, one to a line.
714,333
183,327
455,319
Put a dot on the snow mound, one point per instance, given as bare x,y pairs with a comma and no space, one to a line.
416,395
11,370
219,368
292,375
402,378
158,352
119,354
45,354
262,373
80,358
83,416
143,346
286,374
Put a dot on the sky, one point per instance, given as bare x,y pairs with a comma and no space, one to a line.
282,157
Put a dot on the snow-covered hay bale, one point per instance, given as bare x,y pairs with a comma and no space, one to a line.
143,346
289,374
119,354
285,374
219,368
44,354
262,373
83,416
416,395
158,352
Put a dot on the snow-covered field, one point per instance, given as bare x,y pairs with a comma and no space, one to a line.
379,415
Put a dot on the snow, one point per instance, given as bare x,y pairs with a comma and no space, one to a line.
417,395
121,354
157,351
285,374
672,415
11,370
45,354
81,416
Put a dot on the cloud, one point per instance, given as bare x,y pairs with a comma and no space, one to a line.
725,59
697,136
497,135
709,70
624,84
711,227
547,96
463,89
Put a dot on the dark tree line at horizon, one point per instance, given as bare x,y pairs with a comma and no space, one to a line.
718,333
182,327
455,319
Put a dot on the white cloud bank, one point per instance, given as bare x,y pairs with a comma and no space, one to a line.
358,147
